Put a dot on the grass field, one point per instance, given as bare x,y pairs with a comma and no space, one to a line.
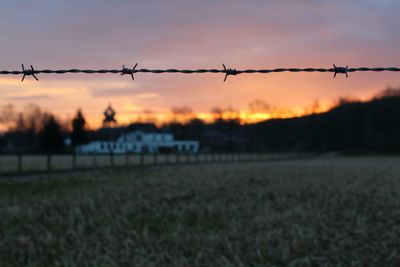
319,212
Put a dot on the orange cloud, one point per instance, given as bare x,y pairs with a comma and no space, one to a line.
194,34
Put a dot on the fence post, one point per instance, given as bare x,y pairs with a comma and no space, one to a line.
154,158
112,158
126,158
141,162
74,160
48,161
19,162
94,160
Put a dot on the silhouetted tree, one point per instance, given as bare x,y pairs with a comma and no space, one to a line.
259,106
181,114
147,116
7,115
24,127
51,137
217,113
79,134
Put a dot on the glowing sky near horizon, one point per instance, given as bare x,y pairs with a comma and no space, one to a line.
186,34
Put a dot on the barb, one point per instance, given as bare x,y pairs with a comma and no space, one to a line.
28,72
227,71
342,70
129,71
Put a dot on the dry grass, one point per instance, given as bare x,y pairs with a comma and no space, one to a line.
322,212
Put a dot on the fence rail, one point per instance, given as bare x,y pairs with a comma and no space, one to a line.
31,164
227,71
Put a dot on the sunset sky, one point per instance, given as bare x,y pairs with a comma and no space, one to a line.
55,34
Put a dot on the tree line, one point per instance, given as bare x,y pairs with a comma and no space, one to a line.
350,126
36,131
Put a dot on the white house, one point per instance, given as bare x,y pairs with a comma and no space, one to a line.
140,142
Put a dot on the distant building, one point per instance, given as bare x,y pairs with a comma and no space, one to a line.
141,142
109,117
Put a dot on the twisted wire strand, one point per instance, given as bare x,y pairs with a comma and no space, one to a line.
226,71
158,71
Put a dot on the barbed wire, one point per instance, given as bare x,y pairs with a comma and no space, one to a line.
227,71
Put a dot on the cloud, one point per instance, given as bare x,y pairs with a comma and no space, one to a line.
118,92
146,95
30,98
112,92
196,34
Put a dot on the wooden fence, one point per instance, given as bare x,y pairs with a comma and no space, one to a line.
24,164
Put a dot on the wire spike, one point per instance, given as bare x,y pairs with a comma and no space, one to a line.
340,70
28,72
129,71
33,73
229,71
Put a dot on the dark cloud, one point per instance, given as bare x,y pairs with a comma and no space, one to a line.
112,92
204,34
93,33
30,98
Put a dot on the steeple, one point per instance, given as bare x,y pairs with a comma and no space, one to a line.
109,117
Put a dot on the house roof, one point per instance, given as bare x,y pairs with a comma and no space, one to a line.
112,134
142,127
